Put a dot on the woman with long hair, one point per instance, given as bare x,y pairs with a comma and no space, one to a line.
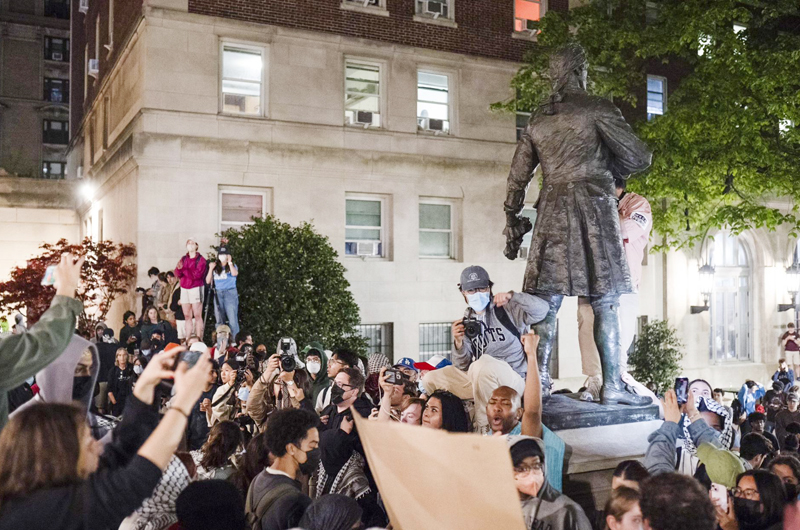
150,322
758,502
53,474
222,277
445,410
120,382
787,468
214,458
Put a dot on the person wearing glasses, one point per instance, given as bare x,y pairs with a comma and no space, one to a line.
542,505
338,361
495,357
759,499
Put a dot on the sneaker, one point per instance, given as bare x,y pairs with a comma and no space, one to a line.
592,392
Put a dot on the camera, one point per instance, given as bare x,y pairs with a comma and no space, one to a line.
395,377
288,362
472,327
141,290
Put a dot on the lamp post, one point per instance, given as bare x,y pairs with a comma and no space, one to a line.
793,286
706,288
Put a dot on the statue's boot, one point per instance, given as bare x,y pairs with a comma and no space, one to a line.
606,337
546,329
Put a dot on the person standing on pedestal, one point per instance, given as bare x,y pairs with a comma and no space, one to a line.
636,221
222,277
191,270
582,143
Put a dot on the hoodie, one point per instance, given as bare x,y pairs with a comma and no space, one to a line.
550,510
322,381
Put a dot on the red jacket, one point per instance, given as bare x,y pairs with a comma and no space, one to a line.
193,272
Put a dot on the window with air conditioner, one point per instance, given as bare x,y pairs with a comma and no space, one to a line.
238,207
437,222
56,49
527,14
656,96
242,80
364,231
433,102
55,132
56,90
434,8
362,94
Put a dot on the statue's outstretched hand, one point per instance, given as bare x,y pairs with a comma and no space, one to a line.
514,232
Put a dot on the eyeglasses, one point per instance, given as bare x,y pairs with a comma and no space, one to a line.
524,469
481,290
344,386
752,495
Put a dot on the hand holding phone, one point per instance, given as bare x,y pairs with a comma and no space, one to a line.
719,496
682,389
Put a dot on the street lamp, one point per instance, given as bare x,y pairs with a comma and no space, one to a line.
793,286
706,288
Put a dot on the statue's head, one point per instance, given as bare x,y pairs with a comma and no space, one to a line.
568,68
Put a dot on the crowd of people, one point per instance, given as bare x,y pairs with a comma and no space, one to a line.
166,432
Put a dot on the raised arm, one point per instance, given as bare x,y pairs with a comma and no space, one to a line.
532,406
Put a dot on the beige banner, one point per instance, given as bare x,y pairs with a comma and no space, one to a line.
431,479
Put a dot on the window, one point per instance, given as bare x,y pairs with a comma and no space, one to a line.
435,339
57,9
362,94
434,8
56,90
436,238
729,303
56,49
433,102
100,225
242,80
364,227
527,14
656,96
55,132
373,7
53,170
530,213
237,208
379,338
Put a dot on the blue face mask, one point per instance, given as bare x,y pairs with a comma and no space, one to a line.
478,301
244,393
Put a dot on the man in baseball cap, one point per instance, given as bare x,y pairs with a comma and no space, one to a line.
406,366
487,352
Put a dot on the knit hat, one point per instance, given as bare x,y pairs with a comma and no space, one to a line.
722,466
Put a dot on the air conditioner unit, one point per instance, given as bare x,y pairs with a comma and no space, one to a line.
375,3
435,125
94,67
434,8
83,7
364,117
55,56
372,248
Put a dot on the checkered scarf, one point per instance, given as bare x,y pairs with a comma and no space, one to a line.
376,361
705,404
158,511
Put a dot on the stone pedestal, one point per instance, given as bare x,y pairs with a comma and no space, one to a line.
598,438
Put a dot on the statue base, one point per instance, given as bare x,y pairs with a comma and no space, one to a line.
566,411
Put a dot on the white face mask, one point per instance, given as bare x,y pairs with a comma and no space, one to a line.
313,367
138,369
223,258
191,247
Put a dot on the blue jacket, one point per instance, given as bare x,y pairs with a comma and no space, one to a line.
748,399
777,376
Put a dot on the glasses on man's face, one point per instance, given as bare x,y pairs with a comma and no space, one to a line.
748,494
334,360
524,469
473,291
344,386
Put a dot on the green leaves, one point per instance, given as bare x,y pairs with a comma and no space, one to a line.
656,357
292,285
725,154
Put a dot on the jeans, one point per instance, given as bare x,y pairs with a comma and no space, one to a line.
226,307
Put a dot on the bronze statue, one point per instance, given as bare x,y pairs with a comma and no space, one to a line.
582,142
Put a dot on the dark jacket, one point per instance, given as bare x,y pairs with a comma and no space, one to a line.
335,444
120,383
119,486
127,332
263,483
108,353
197,429
21,356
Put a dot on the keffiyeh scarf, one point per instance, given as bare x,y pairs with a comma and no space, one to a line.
705,404
158,511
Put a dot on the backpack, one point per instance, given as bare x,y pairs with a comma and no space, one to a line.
254,516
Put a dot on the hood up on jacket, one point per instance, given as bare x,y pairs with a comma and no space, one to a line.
322,381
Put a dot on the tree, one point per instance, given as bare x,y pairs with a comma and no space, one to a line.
656,356
728,144
107,273
291,284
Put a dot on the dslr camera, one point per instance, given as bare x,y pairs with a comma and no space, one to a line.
288,362
472,327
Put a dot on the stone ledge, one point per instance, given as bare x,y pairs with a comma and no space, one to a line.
19,192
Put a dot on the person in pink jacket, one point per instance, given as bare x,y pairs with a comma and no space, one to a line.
191,271
636,221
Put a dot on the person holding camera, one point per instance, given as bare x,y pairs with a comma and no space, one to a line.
222,279
487,352
283,385
223,404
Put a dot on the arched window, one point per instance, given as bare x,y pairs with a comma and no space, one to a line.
730,299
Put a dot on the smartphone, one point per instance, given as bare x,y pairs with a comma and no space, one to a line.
49,275
719,496
682,389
